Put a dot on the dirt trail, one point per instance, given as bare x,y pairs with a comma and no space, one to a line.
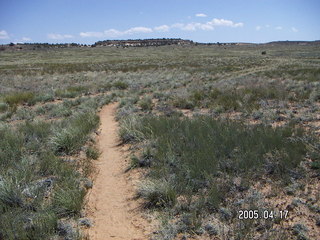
111,206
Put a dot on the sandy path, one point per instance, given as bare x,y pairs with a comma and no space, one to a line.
115,214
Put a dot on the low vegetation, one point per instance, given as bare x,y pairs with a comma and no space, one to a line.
215,128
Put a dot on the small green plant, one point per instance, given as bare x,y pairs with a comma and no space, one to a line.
92,153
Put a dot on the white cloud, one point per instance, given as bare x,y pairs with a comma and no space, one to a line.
278,28
201,15
91,34
55,36
23,40
258,28
193,26
137,30
225,23
162,28
26,39
206,26
116,33
267,26
177,25
4,35
294,29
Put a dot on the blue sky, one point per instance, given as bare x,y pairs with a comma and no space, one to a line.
88,21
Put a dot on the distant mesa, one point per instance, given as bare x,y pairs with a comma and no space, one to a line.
144,42
139,43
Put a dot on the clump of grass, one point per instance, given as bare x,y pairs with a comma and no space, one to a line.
17,224
71,92
157,194
296,72
70,139
192,152
207,145
182,103
120,85
19,98
146,104
68,201
129,130
35,134
11,144
92,153
3,107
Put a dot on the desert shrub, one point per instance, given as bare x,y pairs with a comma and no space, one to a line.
19,98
